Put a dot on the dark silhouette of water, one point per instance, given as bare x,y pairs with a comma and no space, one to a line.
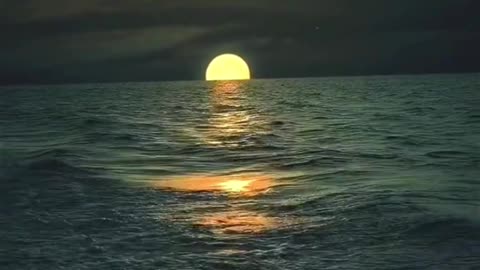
333,173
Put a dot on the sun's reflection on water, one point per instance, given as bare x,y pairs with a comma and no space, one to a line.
233,216
232,123
243,184
237,222
232,118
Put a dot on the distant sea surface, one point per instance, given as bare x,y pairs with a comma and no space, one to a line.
322,173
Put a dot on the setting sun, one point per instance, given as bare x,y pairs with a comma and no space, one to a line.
227,67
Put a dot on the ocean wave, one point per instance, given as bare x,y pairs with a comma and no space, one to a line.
52,165
95,136
223,108
447,154
92,121
40,168
446,228
277,123
51,153
405,140
312,162
377,155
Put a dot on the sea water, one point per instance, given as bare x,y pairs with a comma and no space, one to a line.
321,173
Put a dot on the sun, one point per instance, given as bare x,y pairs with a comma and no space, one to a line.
227,67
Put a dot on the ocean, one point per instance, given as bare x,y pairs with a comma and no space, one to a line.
378,172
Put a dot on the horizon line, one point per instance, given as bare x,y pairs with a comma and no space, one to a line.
252,79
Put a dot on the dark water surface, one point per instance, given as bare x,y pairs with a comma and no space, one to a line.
333,173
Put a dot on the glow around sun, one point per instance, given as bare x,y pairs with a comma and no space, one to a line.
227,67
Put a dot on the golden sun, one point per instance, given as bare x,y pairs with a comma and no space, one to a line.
227,67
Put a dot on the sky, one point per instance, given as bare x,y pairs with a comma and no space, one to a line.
63,41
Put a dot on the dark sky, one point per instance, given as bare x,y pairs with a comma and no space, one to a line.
50,41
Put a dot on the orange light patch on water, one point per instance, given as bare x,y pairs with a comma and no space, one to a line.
237,222
240,184
235,185
229,219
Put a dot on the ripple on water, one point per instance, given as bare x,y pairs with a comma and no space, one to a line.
236,215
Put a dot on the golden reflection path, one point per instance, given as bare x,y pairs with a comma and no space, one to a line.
238,222
242,184
230,121
232,118
233,218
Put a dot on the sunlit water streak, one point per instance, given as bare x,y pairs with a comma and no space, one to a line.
334,173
